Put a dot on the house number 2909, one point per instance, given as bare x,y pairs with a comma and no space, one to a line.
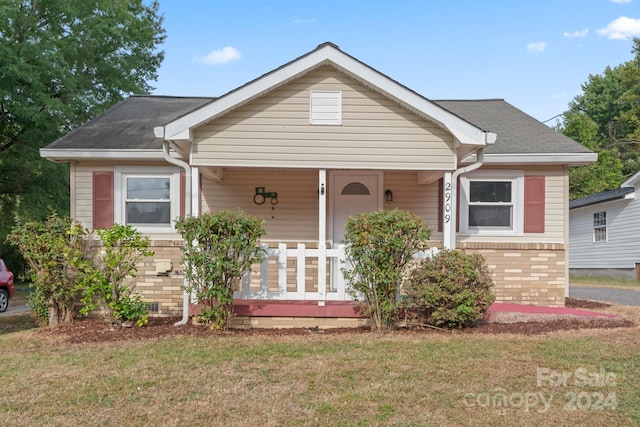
447,202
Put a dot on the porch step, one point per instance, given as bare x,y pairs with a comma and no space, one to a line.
291,308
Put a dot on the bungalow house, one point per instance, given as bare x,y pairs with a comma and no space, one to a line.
604,230
306,145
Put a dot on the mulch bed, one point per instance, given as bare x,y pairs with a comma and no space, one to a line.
96,330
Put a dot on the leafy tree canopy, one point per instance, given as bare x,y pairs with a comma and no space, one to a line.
606,119
62,62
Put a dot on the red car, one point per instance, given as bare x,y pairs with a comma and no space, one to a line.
7,288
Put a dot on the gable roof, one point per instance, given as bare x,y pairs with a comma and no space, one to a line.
519,134
604,196
141,123
466,133
128,127
125,127
626,191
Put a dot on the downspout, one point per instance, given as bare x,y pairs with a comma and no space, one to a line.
187,213
454,190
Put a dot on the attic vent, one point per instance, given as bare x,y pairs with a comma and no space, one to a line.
355,188
325,108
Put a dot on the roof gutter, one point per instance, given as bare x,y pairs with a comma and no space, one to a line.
454,190
187,212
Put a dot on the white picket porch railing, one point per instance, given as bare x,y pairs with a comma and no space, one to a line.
330,287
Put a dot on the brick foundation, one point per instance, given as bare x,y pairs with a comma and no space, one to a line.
165,289
525,273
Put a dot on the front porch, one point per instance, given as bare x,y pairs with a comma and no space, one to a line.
302,280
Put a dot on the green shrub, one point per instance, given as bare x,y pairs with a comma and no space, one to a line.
219,249
112,284
452,289
59,257
379,245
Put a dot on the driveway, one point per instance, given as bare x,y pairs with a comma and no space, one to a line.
619,296
15,309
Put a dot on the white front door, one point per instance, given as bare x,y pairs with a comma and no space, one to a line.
352,193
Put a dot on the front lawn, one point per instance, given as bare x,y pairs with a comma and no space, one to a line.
584,377
603,282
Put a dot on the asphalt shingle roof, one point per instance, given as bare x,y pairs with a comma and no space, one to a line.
518,132
129,124
604,196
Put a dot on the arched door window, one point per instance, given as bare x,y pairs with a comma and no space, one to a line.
355,188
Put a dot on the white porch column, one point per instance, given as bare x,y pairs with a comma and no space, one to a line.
195,190
322,236
448,220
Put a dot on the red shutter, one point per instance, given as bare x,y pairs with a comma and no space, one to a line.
534,194
102,200
183,190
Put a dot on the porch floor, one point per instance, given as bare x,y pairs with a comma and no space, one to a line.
290,308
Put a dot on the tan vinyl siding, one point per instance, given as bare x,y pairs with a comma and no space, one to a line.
274,131
296,214
294,218
557,196
408,195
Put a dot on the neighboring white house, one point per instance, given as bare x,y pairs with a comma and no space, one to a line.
604,233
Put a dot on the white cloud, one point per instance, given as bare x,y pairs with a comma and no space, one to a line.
576,34
537,47
621,29
621,1
222,56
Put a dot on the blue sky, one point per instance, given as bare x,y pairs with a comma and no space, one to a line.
536,54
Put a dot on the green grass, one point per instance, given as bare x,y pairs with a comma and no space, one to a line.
316,380
17,323
603,281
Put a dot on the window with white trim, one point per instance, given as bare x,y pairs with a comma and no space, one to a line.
600,227
325,107
492,203
147,198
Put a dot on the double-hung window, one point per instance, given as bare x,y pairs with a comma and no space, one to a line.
491,203
147,197
600,227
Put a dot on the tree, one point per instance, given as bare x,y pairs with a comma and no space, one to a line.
606,173
606,119
62,62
